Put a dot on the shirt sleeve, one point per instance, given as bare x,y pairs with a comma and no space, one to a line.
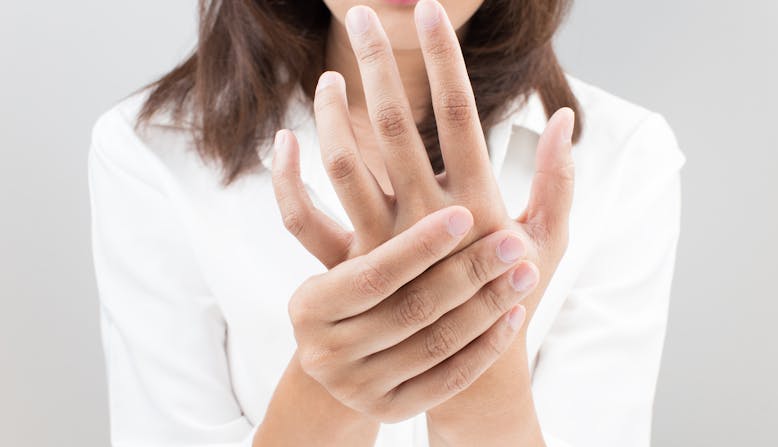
163,332
596,371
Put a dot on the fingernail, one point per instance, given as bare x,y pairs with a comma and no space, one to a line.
357,20
567,132
326,79
280,140
459,224
510,249
427,14
516,317
523,278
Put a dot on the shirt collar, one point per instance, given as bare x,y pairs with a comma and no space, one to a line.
530,115
522,112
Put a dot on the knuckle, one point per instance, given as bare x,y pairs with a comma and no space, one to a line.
477,269
495,302
456,107
300,306
371,281
324,100
541,232
495,345
315,360
416,307
566,172
426,247
562,176
551,236
294,220
391,121
297,312
325,354
341,163
458,377
440,51
372,52
441,341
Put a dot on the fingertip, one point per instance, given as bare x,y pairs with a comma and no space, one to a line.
284,149
281,140
567,125
516,317
358,19
557,139
460,221
329,78
427,14
525,277
284,142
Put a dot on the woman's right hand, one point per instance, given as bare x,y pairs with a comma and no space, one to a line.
388,333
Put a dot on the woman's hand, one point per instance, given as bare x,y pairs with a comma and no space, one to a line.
387,333
468,181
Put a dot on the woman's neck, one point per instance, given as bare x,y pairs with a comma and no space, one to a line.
410,63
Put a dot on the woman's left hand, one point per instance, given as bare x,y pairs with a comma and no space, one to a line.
501,394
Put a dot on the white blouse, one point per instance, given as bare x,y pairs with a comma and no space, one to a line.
194,278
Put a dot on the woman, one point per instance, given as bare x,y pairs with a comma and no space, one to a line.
468,298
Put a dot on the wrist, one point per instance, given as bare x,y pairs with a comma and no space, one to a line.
497,410
506,429
303,413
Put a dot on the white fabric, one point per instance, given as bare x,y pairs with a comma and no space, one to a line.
194,277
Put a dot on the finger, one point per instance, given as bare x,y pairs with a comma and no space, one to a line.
462,140
456,329
458,372
355,185
401,145
317,232
445,286
551,195
362,282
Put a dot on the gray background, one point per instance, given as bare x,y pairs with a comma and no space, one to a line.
709,66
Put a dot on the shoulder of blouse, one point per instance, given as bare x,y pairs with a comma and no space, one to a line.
618,134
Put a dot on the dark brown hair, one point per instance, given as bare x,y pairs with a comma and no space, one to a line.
237,95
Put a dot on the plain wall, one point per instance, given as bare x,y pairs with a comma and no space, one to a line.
709,66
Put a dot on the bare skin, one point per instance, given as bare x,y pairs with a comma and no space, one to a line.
405,288
410,67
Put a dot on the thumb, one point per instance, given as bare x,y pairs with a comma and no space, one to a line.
551,195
